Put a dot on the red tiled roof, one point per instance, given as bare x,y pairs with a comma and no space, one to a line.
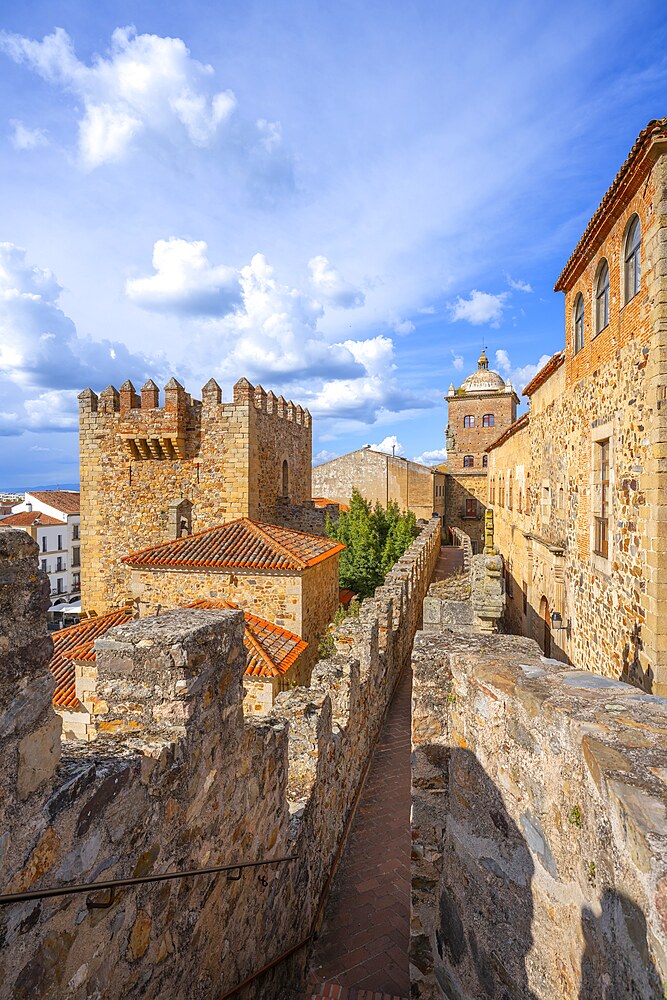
325,502
30,519
632,171
552,365
239,544
68,501
346,596
271,649
77,643
510,431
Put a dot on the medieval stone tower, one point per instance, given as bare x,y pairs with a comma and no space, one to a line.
479,411
150,473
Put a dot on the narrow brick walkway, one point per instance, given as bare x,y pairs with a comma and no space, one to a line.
450,561
364,939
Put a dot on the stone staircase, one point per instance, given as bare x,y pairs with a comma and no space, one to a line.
333,991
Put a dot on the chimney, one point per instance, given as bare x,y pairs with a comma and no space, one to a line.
28,507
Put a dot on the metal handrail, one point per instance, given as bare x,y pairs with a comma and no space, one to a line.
112,884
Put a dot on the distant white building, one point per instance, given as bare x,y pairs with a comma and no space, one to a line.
51,517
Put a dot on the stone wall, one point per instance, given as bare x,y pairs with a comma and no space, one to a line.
472,599
178,779
303,602
539,807
139,459
613,607
461,490
380,479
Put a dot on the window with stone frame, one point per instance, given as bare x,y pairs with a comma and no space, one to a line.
501,492
285,492
510,493
601,498
471,507
488,420
578,323
632,259
545,503
469,420
602,298
468,461
492,490
519,505
485,461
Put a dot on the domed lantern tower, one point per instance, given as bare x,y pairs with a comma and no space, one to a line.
479,411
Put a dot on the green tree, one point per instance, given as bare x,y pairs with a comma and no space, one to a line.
375,540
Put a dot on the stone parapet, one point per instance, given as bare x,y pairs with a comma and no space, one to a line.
539,829
178,779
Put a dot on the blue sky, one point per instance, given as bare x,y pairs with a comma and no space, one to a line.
342,201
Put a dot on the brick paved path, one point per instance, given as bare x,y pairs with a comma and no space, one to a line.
449,561
364,939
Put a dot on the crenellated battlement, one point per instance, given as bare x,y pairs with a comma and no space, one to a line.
142,451
151,431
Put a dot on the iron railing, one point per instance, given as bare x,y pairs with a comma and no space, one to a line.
112,884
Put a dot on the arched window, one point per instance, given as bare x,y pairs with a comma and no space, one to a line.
602,297
578,315
485,461
468,461
632,258
487,420
469,420
285,479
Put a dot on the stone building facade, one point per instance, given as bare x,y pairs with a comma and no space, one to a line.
477,410
578,490
285,576
382,478
150,473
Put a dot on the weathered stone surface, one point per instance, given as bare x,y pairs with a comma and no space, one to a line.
186,789
539,866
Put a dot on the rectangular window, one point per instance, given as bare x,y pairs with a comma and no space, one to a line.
471,508
60,542
59,585
44,549
602,518
487,420
43,565
75,532
76,557
468,461
59,564
469,421
76,581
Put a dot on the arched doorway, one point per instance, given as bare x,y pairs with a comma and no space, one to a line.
546,621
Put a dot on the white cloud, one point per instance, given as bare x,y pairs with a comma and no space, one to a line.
434,457
185,282
390,445
427,310
23,137
331,287
479,308
147,83
271,134
518,285
519,377
403,326
9,424
324,456
458,361
53,410
39,345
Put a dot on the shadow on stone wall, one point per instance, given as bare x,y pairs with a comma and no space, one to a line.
604,969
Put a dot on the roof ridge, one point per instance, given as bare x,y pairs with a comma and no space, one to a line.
183,539
259,528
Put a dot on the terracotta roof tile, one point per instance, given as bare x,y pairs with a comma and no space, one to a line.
77,643
68,501
239,544
346,596
552,365
271,649
325,502
633,170
510,431
30,519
